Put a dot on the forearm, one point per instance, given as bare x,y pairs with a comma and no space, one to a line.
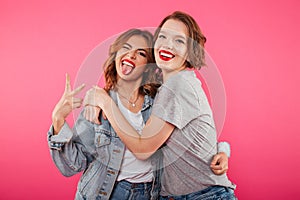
71,148
125,131
65,151
153,135
64,165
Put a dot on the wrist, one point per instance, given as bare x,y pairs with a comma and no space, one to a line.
222,153
57,123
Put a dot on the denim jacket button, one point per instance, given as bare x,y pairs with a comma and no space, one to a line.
103,193
117,151
111,172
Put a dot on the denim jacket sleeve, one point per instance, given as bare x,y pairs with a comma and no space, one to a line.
71,149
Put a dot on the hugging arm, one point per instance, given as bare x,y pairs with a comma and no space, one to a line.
154,134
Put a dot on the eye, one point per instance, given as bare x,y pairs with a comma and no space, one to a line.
180,41
125,47
161,36
142,53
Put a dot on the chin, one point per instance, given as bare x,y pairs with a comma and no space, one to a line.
164,67
161,65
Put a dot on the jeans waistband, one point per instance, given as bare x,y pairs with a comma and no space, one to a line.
129,185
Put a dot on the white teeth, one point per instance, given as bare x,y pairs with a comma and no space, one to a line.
166,55
127,63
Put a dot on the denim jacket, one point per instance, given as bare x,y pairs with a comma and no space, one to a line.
98,151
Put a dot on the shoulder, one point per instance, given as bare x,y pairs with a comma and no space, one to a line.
184,82
183,78
113,95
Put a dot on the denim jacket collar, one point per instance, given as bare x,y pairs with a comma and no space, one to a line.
148,101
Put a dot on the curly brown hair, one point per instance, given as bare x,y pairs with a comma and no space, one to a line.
151,79
196,39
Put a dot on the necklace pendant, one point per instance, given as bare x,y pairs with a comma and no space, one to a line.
133,104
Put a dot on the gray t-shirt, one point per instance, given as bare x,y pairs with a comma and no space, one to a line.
182,102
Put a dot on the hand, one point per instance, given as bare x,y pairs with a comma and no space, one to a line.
91,113
65,105
219,164
96,97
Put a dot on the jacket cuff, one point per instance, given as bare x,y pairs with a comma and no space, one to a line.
224,147
63,136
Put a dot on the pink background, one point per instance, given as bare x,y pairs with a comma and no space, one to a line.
255,45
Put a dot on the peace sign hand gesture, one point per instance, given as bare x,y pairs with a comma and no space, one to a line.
66,104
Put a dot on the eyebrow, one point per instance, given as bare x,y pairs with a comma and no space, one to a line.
128,45
137,49
176,35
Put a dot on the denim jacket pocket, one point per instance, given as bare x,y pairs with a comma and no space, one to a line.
102,138
102,143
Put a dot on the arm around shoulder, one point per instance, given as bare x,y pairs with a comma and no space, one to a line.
153,135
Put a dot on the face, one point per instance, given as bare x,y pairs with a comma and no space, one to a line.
131,59
170,48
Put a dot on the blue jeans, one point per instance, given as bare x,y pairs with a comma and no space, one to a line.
124,190
210,193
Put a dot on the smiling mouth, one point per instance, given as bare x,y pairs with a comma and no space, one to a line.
127,66
166,55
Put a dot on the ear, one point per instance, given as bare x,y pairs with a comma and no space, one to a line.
188,60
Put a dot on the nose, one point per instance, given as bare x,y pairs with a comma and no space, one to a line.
132,54
168,44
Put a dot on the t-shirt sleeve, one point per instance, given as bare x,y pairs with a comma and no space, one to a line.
177,103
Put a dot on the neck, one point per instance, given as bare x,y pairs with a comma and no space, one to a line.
129,95
128,89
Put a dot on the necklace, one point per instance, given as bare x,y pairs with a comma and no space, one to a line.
133,104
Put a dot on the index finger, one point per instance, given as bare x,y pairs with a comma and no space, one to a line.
78,89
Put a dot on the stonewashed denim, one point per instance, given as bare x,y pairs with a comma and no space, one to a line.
98,151
131,191
210,193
